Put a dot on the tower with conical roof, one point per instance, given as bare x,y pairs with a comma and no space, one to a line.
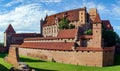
8,35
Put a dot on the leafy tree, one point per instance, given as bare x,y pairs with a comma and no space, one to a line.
64,24
110,37
88,32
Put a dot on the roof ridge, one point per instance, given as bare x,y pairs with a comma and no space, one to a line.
67,11
97,19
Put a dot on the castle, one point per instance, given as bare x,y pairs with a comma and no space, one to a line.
11,37
71,46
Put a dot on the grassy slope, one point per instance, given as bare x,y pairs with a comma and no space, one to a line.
40,65
4,66
51,66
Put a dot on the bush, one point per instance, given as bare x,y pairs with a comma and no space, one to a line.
88,32
64,24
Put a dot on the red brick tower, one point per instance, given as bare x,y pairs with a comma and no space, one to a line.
8,35
97,32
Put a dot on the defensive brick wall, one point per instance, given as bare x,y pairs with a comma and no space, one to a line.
86,58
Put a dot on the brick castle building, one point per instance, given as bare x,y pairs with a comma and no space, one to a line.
69,46
11,37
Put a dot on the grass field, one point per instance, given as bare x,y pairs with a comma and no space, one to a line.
40,65
4,66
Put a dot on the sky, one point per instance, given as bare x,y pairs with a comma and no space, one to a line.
25,15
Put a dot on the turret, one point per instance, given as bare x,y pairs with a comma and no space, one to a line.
41,25
8,35
82,16
92,13
97,32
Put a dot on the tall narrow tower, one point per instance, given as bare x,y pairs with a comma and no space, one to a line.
8,35
93,13
82,16
41,26
97,32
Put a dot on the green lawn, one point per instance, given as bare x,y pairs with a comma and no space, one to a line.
4,66
40,65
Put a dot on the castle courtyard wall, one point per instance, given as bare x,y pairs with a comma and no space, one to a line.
86,58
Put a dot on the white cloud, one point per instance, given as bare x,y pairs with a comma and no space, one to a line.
116,10
50,0
117,28
24,18
88,4
30,1
100,7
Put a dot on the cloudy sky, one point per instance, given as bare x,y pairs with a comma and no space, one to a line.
25,15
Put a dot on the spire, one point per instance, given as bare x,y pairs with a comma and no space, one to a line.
46,16
10,29
97,19
41,20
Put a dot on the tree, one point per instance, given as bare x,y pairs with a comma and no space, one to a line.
110,37
88,32
64,24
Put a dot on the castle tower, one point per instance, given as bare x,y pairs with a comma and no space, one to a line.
97,32
8,35
82,16
41,25
93,13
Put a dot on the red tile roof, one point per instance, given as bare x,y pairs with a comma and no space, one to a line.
68,33
26,35
97,19
107,25
48,45
71,15
10,29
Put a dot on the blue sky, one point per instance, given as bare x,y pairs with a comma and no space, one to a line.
25,15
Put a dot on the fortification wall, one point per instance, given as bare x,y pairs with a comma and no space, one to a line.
86,58
108,58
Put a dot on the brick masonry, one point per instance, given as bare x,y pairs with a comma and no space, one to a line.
86,58
13,56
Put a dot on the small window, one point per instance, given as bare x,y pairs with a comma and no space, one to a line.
65,41
96,31
81,13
